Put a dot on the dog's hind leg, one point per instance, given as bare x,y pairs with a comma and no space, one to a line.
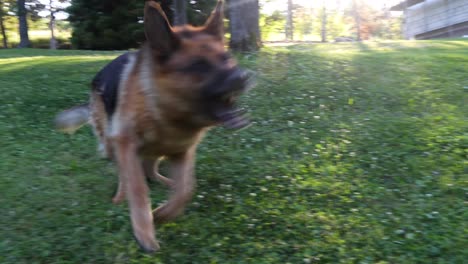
183,185
99,121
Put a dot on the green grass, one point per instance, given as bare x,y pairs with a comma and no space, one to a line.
358,154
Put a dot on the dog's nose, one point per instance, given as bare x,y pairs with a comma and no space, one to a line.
236,80
239,80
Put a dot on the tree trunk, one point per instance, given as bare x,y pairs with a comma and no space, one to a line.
357,19
2,26
53,41
4,36
243,25
324,23
23,25
290,22
180,12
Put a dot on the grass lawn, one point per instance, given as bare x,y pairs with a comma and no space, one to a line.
358,154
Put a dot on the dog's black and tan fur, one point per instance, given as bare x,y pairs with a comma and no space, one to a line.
158,102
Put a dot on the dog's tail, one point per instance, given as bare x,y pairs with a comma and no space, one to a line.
73,118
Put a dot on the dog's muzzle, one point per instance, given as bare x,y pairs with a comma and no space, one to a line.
223,94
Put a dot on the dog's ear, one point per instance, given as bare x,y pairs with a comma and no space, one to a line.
215,23
158,31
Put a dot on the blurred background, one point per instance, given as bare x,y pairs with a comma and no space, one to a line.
115,25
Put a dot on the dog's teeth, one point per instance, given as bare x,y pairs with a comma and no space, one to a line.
237,111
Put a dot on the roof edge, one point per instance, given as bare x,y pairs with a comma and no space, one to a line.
405,4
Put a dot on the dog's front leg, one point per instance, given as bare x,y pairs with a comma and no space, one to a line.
133,181
183,185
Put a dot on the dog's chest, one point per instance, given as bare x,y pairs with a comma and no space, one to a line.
158,139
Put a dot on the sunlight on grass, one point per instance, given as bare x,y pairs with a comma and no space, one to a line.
15,64
357,154
13,36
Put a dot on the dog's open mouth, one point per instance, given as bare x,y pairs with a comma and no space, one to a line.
230,115
223,99
233,118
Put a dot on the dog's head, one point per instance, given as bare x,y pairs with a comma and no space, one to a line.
195,70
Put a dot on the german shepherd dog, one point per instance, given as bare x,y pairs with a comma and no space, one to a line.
159,102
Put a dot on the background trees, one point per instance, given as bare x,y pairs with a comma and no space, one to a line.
4,7
26,9
116,24
180,12
198,11
323,20
106,24
111,24
289,22
53,7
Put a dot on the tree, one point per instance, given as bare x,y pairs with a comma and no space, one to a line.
368,21
198,11
54,7
244,25
117,24
272,24
357,20
110,24
324,22
4,5
106,24
289,22
180,12
23,24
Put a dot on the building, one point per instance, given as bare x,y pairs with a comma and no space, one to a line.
429,19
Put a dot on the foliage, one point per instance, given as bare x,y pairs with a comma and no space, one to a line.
117,24
375,23
357,154
39,34
106,24
199,11
303,22
272,24
4,9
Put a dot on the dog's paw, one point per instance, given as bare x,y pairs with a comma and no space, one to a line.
118,197
166,213
147,243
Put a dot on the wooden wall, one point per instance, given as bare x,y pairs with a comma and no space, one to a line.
435,15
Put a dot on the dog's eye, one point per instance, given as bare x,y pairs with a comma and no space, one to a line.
198,66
